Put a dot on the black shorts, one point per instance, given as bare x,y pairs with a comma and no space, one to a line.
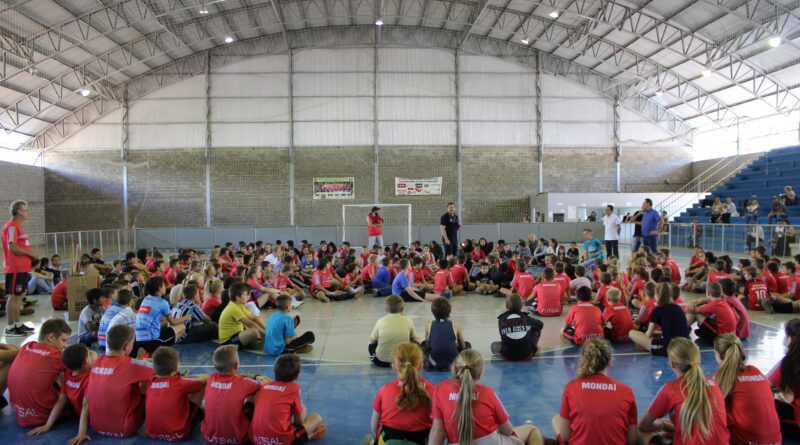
708,331
165,338
659,347
409,437
300,435
407,297
17,283
789,426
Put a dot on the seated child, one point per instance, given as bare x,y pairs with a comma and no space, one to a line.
237,325
617,318
546,298
401,410
756,293
172,400
121,302
443,283
523,283
212,301
150,332
562,278
280,337
443,338
382,280
35,372
279,416
519,332
584,320
461,276
669,317
742,317
199,328
261,295
369,270
401,285
389,331
646,307
79,360
58,298
89,320
114,401
580,280
352,280
419,275
325,286
284,284
713,318
227,396
483,280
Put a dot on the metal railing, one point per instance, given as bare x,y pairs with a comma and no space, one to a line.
113,243
702,185
732,239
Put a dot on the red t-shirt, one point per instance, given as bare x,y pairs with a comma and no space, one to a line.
769,279
13,263
587,320
564,280
722,314
32,382
714,277
621,323
743,325
487,411
276,403
169,277
548,295
167,407
459,273
602,299
59,296
638,289
280,282
211,303
385,404
784,282
668,401
775,381
751,410
441,280
523,284
756,290
416,276
224,421
367,272
372,231
74,388
320,280
116,404
696,262
676,271
599,410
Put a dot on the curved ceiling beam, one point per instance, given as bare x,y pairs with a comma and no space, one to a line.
350,36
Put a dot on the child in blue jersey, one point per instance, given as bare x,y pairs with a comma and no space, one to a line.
154,308
280,337
443,338
402,287
307,267
120,303
593,248
382,282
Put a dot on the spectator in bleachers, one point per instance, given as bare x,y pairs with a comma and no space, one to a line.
789,197
716,210
782,237
523,249
778,210
751,211
729,209
756,235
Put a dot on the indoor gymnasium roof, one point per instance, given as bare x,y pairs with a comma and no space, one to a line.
684,64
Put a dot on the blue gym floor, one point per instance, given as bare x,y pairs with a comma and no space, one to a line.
342,392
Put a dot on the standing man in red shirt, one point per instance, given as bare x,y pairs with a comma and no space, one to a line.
375,228
17,255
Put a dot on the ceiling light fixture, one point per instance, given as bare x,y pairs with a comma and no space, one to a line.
659,93
553,14
775,42
525,40
85,91
379,22
203,9
706,72
228,39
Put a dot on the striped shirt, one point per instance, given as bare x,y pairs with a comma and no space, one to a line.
188,307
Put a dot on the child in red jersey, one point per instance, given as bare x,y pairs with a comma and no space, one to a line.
36,372
547,296
756,293
694,402
749,403
464,411
523,282
279,416
605,284
352,280
213,300
420,275
584,320
284,284
713,318
325,286
667,261
617,318
172,400
443,281
786,299
765,275
562,278
260,294
646,307
718,273
401,410
596,409
638,295
368,271
461,276
226,395
79,360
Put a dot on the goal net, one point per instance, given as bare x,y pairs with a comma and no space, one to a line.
396,223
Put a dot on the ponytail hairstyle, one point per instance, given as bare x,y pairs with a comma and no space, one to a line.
730,350
790,365
467,368
696,412
595,357
407,359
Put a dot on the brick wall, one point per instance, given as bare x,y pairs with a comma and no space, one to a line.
24,182
655,169
575,170
498,183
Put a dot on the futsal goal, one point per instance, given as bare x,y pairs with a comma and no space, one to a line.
396,223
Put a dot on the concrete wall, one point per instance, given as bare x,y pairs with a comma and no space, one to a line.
24,182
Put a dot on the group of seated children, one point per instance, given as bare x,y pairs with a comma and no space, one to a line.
116,395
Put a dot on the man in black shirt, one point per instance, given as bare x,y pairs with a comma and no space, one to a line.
636,239
519,332
449,224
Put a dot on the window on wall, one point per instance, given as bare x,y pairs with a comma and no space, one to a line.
753,136
27,157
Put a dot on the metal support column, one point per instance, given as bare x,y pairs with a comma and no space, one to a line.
617,143
539,142
207,157
459,170
291,139
376,154
124,155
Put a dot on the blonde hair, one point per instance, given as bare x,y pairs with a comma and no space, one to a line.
613,295
595,357
467,367
407,359
696,412
730,350
215,286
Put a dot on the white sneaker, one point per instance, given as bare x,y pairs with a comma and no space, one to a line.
296,304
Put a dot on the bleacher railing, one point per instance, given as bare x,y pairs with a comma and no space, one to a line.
732,239
113,243
701,186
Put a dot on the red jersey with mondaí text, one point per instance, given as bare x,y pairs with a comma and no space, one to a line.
116,404
524,283
74,388
621,323
587,320
599,410
320,280
548,296
167,407
276,404
224,421
13,263
669,400
487,411
32,382
750,408
385,404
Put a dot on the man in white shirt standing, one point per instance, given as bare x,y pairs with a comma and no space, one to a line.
611,223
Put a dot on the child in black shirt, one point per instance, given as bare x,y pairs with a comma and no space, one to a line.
483,280
519,332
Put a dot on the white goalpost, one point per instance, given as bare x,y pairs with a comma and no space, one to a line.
396,224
